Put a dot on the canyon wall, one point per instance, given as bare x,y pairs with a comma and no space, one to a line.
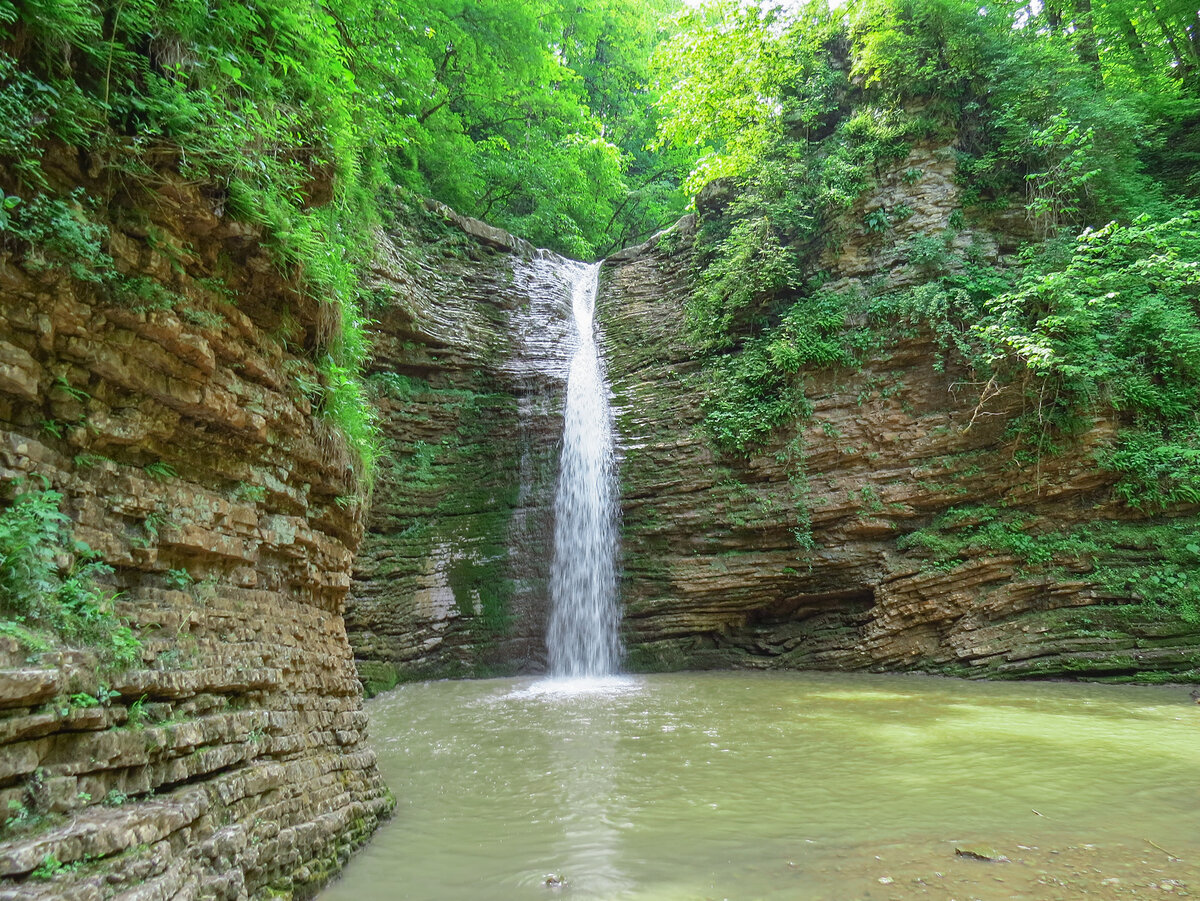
179,429
813,552
469,373
805,554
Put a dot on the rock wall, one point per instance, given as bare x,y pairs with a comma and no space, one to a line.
717,567
468,370
230,761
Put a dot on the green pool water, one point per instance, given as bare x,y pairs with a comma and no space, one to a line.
755,786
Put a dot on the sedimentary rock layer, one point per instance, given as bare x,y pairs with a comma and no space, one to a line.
794,558
471,346
230,760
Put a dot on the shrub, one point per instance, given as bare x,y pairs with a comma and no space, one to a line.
49,582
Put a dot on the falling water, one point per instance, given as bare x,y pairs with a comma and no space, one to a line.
583,621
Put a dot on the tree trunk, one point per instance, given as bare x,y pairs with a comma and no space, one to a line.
1085,36
1141,59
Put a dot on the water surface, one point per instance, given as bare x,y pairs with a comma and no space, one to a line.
754,786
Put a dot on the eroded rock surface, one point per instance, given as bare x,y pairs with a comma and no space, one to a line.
230,760
719,570
469,367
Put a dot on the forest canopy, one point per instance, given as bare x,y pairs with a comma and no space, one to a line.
587,126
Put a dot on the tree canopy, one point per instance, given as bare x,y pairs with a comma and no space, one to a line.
588,126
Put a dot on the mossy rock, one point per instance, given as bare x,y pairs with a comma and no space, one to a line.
377,676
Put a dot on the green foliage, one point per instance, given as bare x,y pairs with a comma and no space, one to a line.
160,471
49,582
750,266
344,402
1157,471
747,399
1116,320
1121,316
1050,110
103,696
136,714
50,867
1152,563
179,579
244,491
115,798
876,221
1156,561
959,531
59,232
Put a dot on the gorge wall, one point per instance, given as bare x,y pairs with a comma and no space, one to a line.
808,554
229,760
814,552
468,370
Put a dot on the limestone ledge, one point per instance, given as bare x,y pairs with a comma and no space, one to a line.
713,572
468,372
232,761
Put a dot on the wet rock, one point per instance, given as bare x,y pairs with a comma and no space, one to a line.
469,369
979,852
714,573
187,457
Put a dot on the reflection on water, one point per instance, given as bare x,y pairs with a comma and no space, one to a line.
756,786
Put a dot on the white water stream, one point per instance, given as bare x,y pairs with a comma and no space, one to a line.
582,639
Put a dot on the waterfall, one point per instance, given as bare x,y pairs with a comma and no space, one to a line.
582,638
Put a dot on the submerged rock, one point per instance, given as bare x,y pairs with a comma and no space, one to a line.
979,852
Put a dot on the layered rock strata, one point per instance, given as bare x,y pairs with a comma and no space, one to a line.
230,760
795,557
468,370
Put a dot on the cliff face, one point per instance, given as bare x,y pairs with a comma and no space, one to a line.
898,523
230,758
468,370
808,553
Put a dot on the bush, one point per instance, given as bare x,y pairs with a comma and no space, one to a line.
49,582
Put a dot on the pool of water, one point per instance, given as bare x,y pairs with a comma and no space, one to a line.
754,786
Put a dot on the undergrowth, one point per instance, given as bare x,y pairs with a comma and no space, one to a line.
1153,564
52,584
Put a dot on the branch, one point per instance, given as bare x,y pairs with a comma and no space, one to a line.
990,390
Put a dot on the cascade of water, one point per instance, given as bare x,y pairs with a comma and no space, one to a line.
582,639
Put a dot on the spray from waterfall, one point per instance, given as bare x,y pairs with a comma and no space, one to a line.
582,639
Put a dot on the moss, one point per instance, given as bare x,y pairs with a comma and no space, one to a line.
483,591
656,657
377,676
1153,678
450,492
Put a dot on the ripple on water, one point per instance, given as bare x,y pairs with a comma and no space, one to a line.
782,786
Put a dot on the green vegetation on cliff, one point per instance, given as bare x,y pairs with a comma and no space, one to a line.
311,120
1016,181
1079,119
1074,129
49,584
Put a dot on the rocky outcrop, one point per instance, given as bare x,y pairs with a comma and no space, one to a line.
809,554
229,760
468,371
803,555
